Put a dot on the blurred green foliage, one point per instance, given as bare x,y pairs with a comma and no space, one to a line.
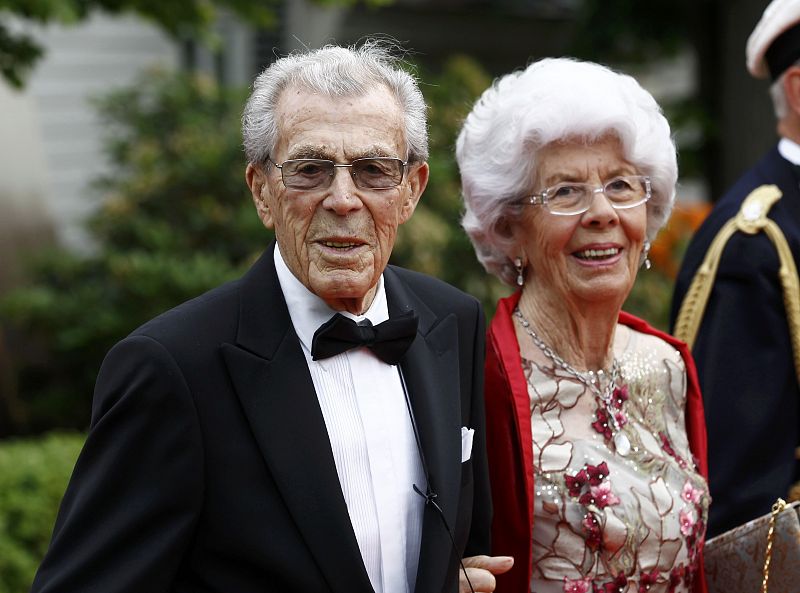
433,241
19,51
651,296
638,36
33,476
631,31
176,220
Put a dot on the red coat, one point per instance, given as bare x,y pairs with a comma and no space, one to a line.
509,442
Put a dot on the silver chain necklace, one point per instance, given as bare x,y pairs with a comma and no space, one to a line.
592,380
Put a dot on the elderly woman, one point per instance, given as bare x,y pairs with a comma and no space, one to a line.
595,424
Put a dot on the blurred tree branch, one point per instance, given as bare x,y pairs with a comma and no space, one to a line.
19,51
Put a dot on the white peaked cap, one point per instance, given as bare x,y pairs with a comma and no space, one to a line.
778,23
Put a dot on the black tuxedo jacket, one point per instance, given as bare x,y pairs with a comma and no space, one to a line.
744,354
208,466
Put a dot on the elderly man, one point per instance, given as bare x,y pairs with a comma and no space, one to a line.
318,424
743,347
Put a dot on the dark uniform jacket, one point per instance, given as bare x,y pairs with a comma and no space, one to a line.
744,354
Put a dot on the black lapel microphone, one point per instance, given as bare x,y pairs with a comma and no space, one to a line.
430,495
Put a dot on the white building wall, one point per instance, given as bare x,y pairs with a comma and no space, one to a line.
50,135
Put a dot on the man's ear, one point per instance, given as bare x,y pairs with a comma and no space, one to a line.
257,182
791,88
417,182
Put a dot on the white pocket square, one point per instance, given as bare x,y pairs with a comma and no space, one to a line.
466,443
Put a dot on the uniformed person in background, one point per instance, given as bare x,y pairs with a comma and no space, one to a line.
743,346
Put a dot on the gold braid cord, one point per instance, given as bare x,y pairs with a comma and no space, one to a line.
751,219
694,303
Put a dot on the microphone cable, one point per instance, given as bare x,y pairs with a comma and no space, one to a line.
430,495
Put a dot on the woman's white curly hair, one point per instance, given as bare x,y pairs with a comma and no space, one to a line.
554,99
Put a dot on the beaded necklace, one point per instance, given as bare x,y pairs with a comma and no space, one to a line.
593,382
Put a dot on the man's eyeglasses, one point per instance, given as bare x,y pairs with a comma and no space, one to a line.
367,173
567,199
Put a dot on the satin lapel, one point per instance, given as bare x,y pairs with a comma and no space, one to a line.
431,370
271,378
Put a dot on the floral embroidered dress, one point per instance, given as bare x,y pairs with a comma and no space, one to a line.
607,522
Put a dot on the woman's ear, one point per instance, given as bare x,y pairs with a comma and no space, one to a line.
504,228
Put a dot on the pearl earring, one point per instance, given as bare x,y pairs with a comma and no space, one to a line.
645,256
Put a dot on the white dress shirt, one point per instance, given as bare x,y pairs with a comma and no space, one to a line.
371,436
789,150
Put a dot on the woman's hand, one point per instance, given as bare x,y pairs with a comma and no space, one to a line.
481,571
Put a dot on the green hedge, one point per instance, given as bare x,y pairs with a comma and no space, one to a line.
33,477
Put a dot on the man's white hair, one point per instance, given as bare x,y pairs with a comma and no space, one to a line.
780,105
552,100
334,71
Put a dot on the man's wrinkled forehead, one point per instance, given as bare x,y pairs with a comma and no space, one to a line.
313,125
324,151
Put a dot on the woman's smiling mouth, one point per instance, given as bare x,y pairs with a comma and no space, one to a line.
597,254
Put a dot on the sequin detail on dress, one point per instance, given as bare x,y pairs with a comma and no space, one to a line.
604,522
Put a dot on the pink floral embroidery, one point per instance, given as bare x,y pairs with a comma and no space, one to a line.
690,493
577,585
691,520
603,495
575,483
597,473
688,576
647,580
593,475
666,445
601,425
693,537
675,577
600,496
620,396
687,520
618,585
594,536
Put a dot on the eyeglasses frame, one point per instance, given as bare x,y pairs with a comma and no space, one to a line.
403,165
540,198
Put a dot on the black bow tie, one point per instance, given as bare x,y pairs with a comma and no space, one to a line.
388,340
